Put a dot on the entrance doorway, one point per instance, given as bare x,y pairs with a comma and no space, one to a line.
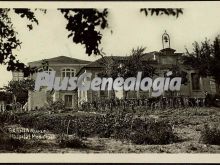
68,101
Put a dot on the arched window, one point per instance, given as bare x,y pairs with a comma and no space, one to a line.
68,72
48,70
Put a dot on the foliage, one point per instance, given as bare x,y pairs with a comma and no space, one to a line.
9,41
205,58
211,134
20,89
57,105
212,100
6,96
135,64
201,57
8,143
84,25
28,14
216,100
177,72
116,125
70,142
153,132
215,69
128,66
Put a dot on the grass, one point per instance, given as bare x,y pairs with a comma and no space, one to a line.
211,134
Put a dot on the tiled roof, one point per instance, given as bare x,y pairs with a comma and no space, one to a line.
148,57
101,62
61,60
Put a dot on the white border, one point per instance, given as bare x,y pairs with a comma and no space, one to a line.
109,158
113,158
122,4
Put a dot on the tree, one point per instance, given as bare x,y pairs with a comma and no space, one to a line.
205,58
19,90
135,64
215,64
84,25
9,41
128,66
200,58
178,72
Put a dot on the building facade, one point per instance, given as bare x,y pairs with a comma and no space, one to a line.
163,61
64,67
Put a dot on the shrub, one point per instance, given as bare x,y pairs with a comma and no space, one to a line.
57,105
116,125
213,100
70,142
152,132
211,134
9,144
216,100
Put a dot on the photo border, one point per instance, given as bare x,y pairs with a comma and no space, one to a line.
106,158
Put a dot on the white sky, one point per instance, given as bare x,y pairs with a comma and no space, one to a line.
130,30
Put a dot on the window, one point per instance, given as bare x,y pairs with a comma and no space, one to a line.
48,70
18,76
67,72
168,60
195,81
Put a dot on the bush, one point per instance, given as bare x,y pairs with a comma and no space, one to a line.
212,100
70,142
116,125
217,100
211,134
9,144
57,105
152,132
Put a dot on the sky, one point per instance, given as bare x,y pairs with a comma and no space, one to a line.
128,29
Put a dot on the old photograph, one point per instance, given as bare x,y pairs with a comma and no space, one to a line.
110,80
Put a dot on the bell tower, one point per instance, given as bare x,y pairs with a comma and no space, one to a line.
165,40
167,50
167,54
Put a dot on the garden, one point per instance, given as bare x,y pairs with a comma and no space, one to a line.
176,130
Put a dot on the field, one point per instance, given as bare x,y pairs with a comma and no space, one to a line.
187,125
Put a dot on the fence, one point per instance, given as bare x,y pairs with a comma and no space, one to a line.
151,103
